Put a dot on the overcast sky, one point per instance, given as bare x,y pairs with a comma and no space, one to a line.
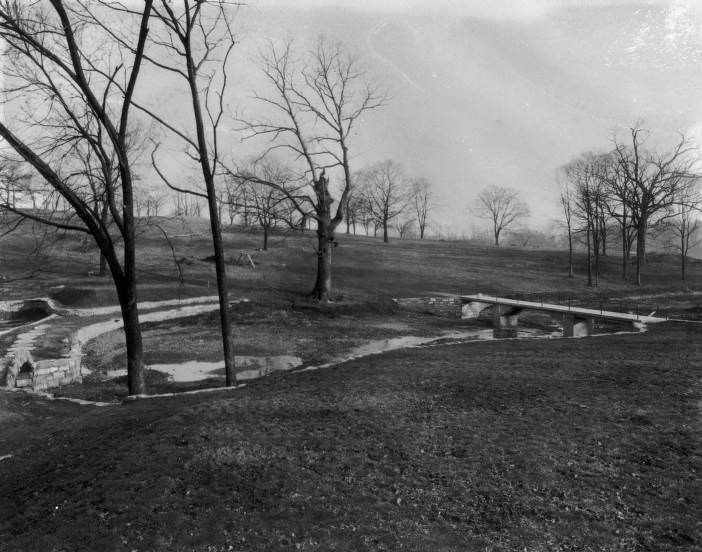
504,92
482,92
519,9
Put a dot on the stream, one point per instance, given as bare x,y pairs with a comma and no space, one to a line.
252,367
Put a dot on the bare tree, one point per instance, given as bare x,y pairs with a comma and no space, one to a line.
421,196
502,207
47,65
566,200
617,199
365,217
684,224
15,183
404,227
193,40
315,102
198,39
149,201
353,208
585,173
268,205
654,180
386,192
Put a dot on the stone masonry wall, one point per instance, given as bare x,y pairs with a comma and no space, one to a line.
45,374
446,306
13,377
52,373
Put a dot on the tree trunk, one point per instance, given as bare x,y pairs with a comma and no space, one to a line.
589,257
265,238
385,231
596,251
640,248
215,226
103,266
570,253
104,215
625,252
684,237
322,285
136,383
126,286
221,270
682,266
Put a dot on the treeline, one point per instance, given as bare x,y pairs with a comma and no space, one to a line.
633,189
381,199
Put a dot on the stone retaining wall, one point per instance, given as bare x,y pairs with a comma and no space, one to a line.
52,373
446,306
45,374
13,378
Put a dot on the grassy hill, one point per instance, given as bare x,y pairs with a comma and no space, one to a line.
363,267
551,444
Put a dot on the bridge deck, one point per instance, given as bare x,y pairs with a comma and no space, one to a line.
548,307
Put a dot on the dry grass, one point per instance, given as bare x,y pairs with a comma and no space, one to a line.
546,445
573,445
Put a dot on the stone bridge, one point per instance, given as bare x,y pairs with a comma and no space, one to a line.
576,321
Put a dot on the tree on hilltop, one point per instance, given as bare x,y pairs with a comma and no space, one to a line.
502,207
386,192
315,100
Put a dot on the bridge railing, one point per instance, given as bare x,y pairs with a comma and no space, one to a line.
631,306
638,307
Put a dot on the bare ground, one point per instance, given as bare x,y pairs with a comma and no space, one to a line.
590,444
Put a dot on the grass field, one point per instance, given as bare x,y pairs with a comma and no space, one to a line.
539,445
364,268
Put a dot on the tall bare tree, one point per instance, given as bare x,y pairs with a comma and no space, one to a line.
315,101
193,40
654,180
684,224
353,208
421,199
617,199
386,191
267,205
204,42
56,63
586,173
502,207
566,200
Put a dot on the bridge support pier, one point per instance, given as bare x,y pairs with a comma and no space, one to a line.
473,309
577,326
505,321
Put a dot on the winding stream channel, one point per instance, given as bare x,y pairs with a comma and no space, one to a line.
35,313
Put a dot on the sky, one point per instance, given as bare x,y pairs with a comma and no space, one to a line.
494,9
503,92
480,92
